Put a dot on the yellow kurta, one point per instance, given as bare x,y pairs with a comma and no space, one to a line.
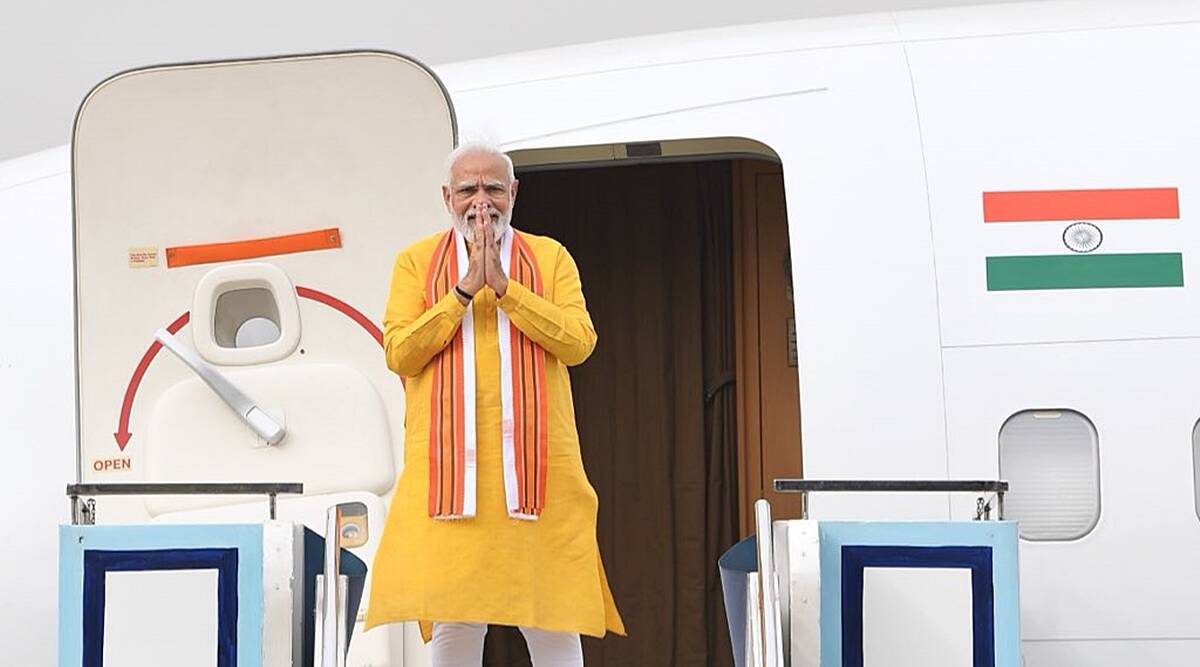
491,568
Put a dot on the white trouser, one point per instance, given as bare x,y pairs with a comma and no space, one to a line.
461,645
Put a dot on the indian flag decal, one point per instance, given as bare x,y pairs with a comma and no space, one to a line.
1082,269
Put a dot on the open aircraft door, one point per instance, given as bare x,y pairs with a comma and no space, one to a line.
251,211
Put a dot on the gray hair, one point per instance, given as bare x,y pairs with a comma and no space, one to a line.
477,148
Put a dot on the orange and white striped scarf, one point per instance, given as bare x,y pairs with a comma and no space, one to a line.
452,437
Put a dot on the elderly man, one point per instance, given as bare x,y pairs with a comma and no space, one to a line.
493,519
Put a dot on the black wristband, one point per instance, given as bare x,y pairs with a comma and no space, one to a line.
463,293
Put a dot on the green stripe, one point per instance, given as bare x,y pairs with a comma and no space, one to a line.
1162,269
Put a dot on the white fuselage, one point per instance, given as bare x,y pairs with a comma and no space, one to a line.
889,129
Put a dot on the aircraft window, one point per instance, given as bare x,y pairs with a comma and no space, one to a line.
246,318
1196,465
1051,459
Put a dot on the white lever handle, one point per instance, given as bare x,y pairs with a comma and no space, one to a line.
258,420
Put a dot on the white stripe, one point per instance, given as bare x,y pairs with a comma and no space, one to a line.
1120,236
506,389
468,335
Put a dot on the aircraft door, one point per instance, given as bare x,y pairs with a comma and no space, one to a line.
248,213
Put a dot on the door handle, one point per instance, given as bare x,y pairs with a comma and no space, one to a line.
246,408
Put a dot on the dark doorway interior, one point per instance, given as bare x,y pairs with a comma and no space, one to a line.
655,403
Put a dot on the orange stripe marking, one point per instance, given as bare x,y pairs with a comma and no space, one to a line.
208,253
1116,204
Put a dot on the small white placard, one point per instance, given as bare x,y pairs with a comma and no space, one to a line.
917,617
166,617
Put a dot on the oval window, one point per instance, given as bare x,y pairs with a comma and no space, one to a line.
1051,461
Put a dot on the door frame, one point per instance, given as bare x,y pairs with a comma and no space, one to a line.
752,484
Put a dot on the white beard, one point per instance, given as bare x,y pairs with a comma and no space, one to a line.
466,227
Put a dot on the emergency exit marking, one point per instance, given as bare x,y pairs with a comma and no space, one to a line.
112,465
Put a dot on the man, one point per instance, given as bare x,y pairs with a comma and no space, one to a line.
493,519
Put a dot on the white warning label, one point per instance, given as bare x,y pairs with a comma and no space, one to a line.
143,257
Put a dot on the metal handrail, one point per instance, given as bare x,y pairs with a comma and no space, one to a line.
806,486
269,489
332,633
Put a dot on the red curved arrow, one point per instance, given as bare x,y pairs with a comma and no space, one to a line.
123,435
345,308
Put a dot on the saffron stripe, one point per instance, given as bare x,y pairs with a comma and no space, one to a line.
435,458
1044,272
532,404
1113,204
455,385
543,432
536,435
441,445
522,364
535,272
456,427
527,437
539,428
536,399
527,352
517,268
446,438
519,413
435,271
520,398
532,437
209,253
